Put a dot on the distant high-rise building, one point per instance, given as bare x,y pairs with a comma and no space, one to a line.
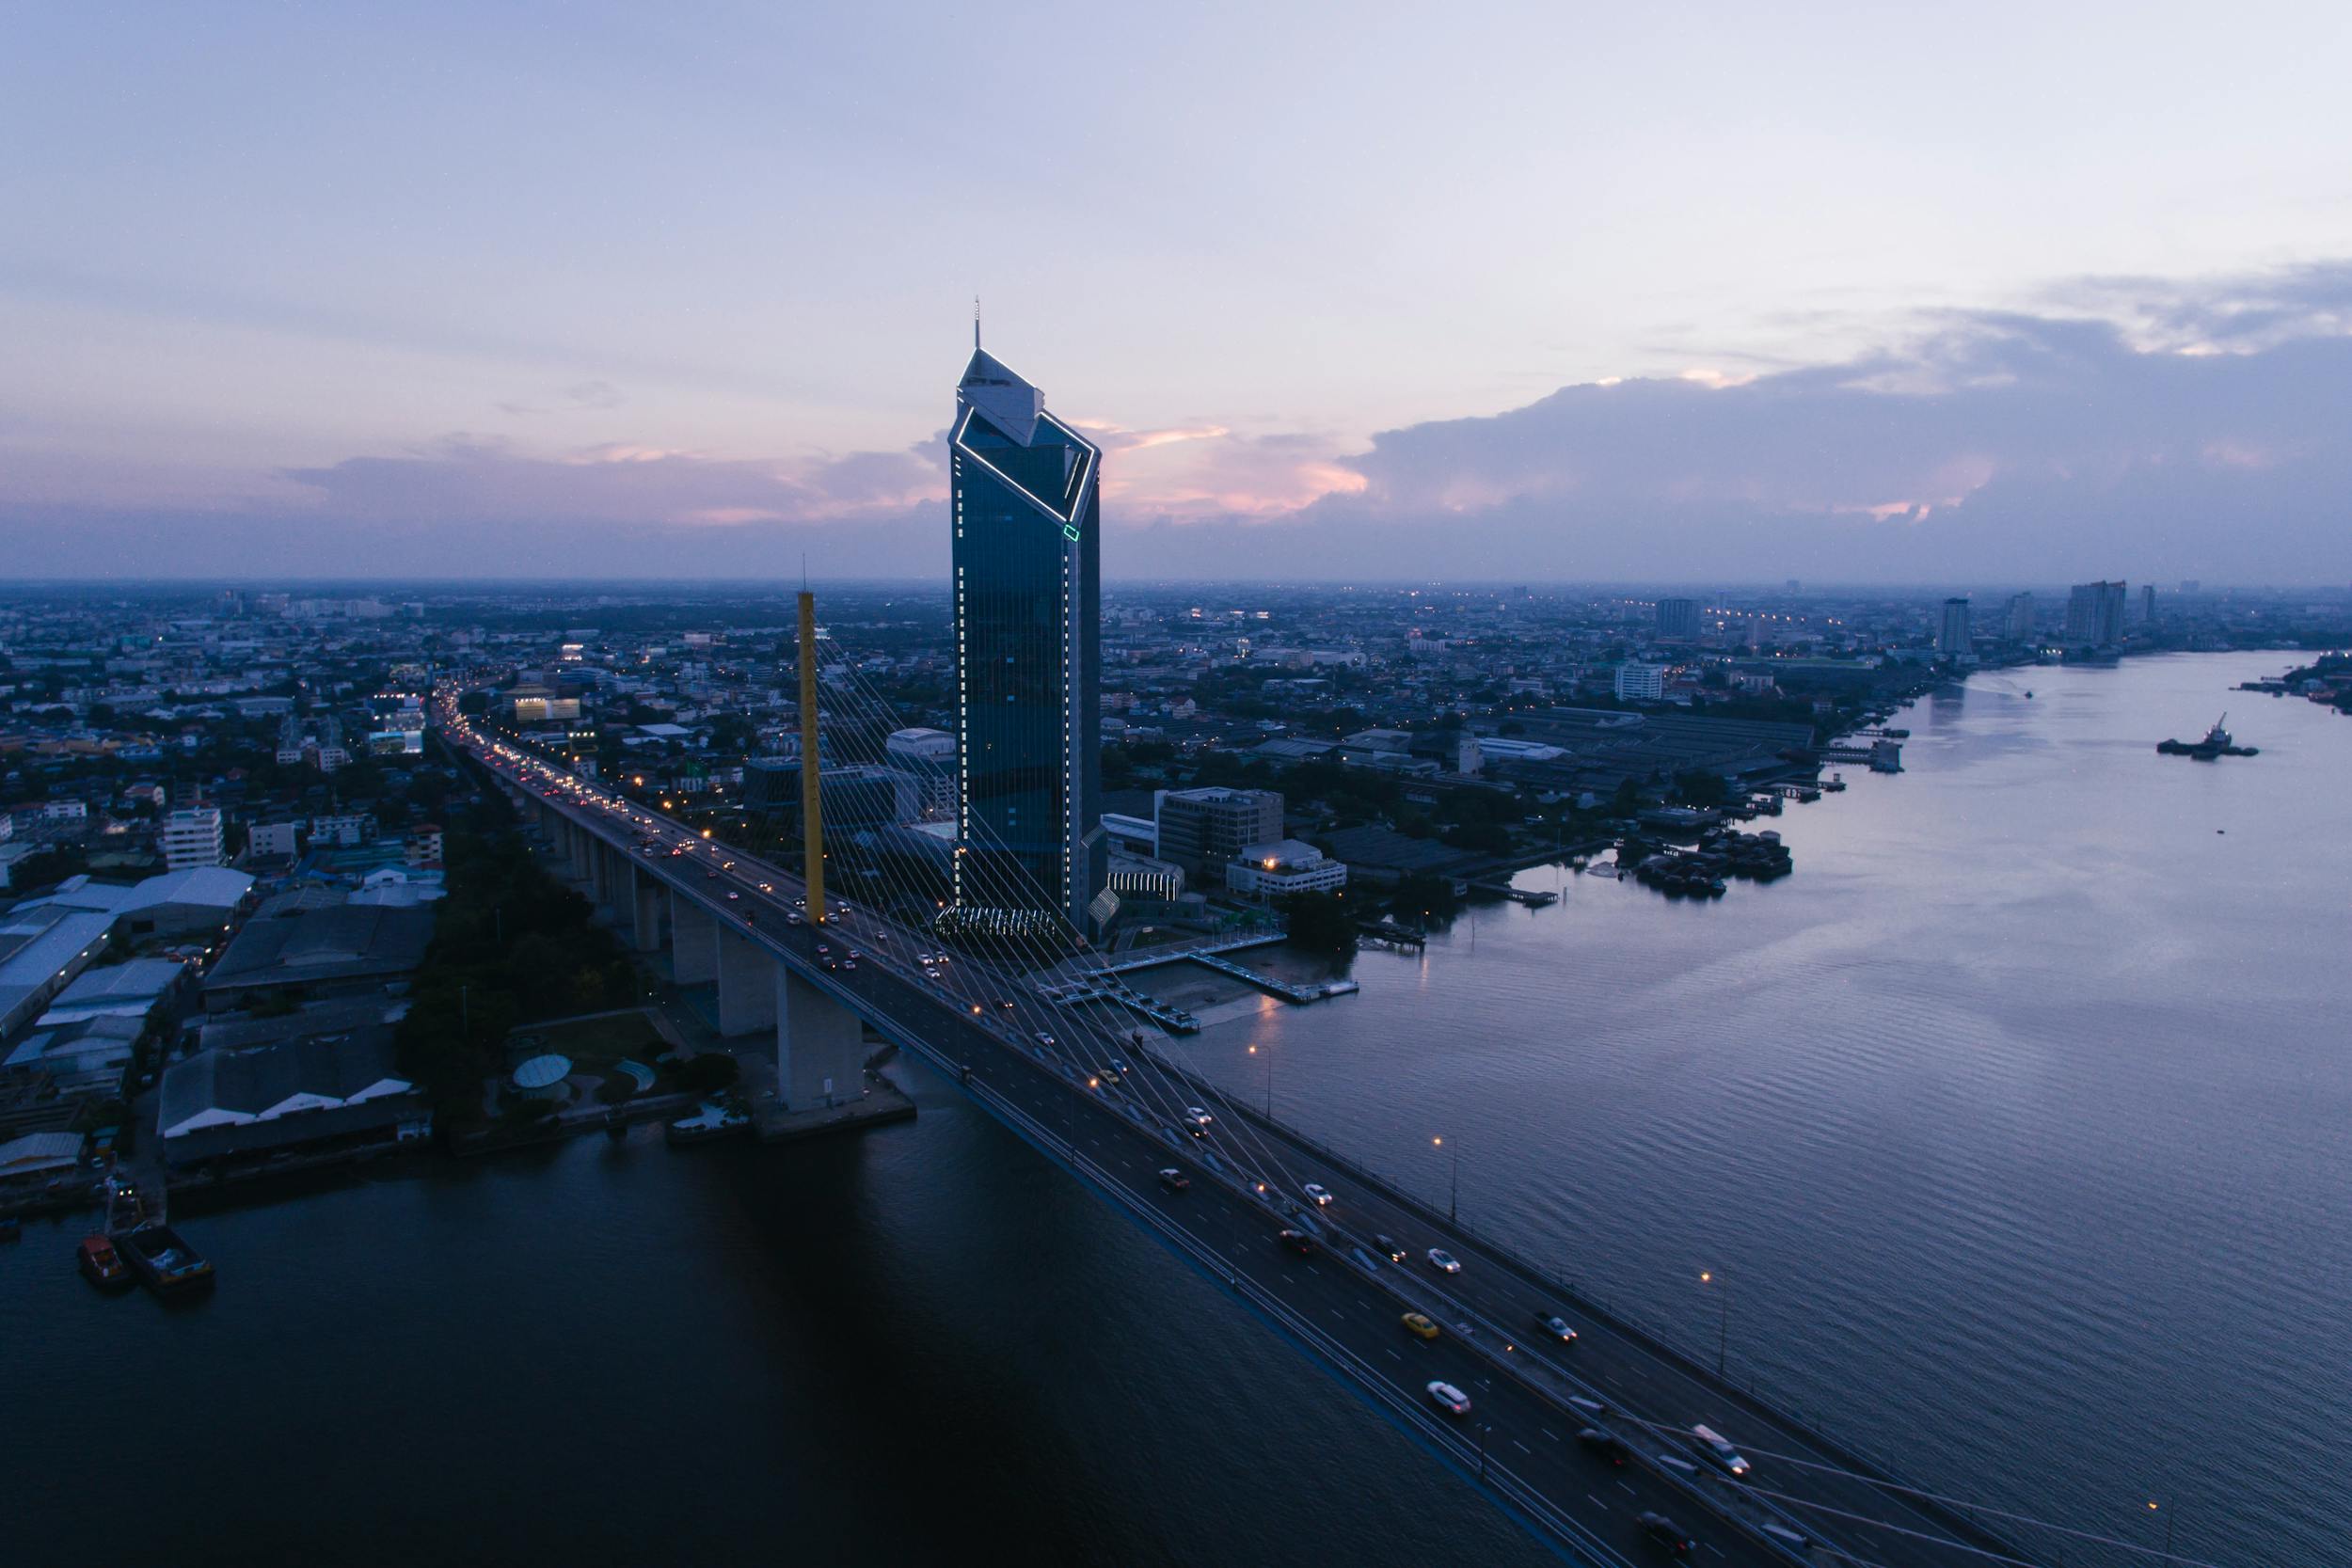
2094,614
2147,604
1026,512
2190,585
1951,633
192,836
1679,620
929,755
2021,618
1203,829
1640,682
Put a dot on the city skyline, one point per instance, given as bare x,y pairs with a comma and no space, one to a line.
2035,324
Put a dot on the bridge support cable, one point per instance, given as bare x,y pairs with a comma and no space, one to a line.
1964,1504
967,981
1004,875
1535,1510
1983,1554
1047,958
1001,877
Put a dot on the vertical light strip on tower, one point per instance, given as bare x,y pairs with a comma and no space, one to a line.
812,818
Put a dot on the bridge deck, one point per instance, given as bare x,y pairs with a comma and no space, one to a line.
1344,1302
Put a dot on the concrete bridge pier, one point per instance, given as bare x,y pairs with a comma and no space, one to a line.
821,1046
600,874
644,909
694,943
747,984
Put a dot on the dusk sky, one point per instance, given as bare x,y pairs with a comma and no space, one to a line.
1528,292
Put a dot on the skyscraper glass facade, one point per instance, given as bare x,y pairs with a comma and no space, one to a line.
1026,515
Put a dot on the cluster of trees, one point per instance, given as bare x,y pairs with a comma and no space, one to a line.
1321,922
510,945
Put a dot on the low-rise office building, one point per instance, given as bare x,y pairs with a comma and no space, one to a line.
192,837
1283,867
1200,830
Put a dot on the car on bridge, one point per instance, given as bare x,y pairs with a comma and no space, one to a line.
1390,1246
1319,1194
1556,1326
1663,1531
1714,1446
1419,1325
1449,1399
1444,1261
1298,1241
1175,1180
1607,1444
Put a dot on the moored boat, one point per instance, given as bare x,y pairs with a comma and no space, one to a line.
163,1260
101,1264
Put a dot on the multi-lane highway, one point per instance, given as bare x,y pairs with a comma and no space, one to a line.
1530,1392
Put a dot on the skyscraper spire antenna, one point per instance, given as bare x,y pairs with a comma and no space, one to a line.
975,321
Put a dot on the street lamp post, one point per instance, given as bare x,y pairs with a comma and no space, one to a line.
1723,1333
1269,1080
1453,1178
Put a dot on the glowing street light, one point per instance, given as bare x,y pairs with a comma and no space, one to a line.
1454,1180
1269,1081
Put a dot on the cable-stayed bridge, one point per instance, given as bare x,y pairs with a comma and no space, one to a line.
1582,1439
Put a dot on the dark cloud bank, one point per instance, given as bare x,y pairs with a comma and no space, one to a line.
2178,432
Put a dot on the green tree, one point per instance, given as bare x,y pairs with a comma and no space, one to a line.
1321,922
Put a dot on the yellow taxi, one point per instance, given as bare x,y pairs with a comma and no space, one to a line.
1417,1325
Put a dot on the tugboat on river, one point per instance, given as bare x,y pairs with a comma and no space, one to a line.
2216,744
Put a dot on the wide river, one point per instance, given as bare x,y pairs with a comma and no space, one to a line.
2017,1125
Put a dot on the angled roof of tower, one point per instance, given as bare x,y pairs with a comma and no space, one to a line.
1006,401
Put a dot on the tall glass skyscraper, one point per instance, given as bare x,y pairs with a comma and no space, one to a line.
1028,516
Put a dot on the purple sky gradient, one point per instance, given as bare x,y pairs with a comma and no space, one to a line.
1714,296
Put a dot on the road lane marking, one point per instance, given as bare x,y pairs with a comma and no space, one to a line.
1394,1357
1628,1491
1514,1442
1588,1497
1546,1431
